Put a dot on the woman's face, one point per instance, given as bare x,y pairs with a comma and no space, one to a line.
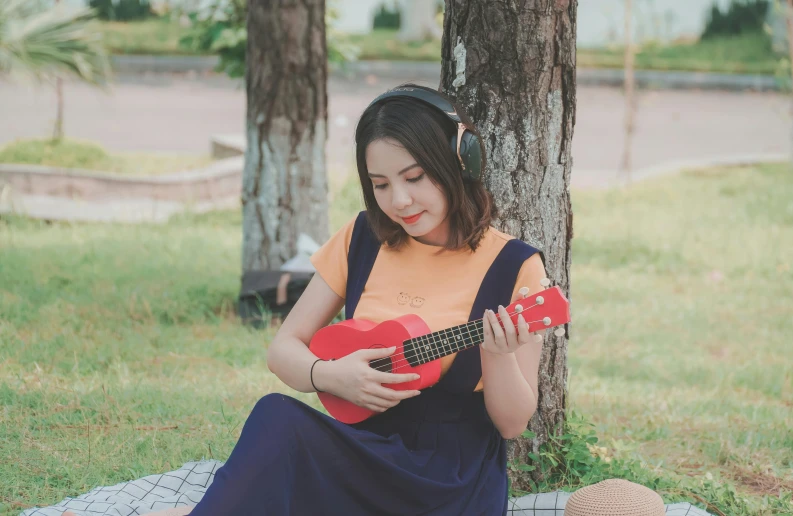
405,192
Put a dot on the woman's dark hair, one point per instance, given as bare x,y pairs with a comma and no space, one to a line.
426,134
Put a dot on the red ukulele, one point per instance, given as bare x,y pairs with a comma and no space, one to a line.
418,349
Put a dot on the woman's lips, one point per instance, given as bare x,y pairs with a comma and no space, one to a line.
413,218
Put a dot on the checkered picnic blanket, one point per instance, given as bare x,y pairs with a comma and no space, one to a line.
187,485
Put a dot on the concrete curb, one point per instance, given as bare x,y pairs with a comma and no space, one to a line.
227,145
218,180
125,211
135,64
147,209
671,80
431,71
53,193
592,179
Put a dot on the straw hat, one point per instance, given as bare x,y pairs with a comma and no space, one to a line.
615,497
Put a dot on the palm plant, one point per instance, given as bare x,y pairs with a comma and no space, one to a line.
49,42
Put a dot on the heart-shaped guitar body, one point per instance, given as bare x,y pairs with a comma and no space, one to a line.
340,339
418,350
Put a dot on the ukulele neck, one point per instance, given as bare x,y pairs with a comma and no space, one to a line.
435,345
540,311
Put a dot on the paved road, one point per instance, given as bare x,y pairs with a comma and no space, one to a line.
179,114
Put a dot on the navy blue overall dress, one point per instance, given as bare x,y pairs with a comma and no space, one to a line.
437,453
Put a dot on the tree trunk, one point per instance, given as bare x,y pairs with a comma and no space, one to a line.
511,65
285,186
57,131
630,101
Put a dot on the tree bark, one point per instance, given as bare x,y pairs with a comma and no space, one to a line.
57,131
511,66
284,181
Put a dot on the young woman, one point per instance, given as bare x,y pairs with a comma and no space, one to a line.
424,245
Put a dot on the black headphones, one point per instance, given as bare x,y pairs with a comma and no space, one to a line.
465,144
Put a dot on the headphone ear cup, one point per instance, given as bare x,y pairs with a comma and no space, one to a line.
470,153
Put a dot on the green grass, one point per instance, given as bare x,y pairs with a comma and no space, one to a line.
744,54
90,156
749,53
683,322
152,36
122,356
383,44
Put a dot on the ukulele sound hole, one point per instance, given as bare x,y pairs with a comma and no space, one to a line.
381,364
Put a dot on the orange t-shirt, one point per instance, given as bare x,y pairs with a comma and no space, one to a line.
416,279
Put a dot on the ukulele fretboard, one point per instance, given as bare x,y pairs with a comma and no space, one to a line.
420,350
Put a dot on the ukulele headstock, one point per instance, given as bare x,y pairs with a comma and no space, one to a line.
543,310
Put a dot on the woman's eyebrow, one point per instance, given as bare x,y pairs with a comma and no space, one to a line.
409,167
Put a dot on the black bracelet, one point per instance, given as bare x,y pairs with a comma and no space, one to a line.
311,374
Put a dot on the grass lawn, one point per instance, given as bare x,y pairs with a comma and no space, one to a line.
749,53
122,355
745,54
151,36
383,44
90,156
683,317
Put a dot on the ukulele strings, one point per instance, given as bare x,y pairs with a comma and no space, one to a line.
396,364
417,354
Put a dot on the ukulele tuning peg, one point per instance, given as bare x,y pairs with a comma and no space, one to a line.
539,300
559,332
524,291
545,282
546,321
538,338
518,308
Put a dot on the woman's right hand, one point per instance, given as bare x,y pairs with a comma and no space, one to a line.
353,379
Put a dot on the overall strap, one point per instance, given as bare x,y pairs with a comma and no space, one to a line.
496,289
361,255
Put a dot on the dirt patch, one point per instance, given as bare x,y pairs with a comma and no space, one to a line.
760,483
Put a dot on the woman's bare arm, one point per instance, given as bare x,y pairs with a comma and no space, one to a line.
349,377
510,378
289,357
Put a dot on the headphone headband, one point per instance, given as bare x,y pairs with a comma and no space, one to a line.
464,143
426,96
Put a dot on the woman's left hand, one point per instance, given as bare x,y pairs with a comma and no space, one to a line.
508,339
